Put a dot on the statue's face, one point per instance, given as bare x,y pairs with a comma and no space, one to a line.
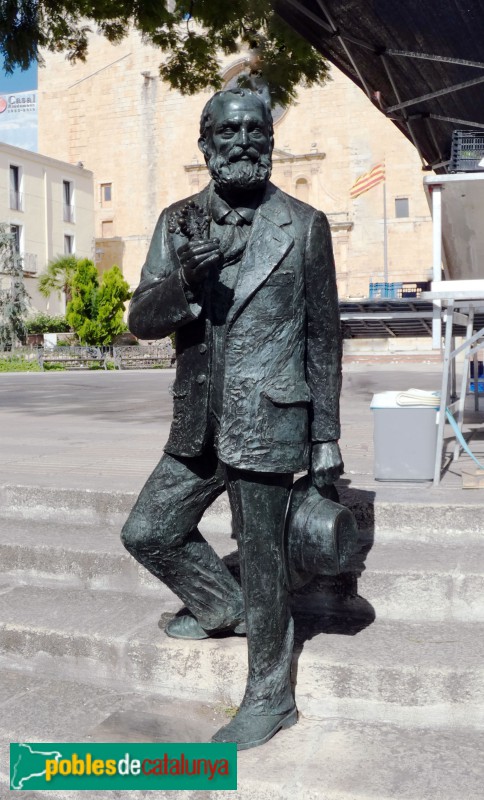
238,147
240,130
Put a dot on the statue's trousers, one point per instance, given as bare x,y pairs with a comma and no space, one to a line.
161,533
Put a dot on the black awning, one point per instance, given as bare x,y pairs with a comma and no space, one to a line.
421,62
383,319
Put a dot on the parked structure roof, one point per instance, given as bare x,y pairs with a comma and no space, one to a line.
421,64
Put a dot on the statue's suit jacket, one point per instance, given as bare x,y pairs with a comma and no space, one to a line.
282,370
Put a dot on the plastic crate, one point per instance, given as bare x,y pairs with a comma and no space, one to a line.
467,152
480,377
382,290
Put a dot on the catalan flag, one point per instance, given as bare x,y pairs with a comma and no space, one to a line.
368,180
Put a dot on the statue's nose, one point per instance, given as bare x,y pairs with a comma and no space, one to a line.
244,137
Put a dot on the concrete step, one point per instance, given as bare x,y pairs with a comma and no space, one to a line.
48,553
317,759
76,506
44,553
420,673
426,518
404,579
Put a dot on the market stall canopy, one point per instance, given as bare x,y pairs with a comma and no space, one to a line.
421,62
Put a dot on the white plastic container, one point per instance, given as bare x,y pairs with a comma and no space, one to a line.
404,437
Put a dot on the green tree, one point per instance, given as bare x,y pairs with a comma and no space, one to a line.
81,311
190,32
58,276
112,296
13,294
95,311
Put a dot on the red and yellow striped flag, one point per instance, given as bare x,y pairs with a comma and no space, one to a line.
368,180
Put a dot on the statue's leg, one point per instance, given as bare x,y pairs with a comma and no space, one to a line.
161,533
258,504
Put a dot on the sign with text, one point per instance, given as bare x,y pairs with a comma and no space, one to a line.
96,766
18,119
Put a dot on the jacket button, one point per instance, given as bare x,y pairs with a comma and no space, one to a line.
202,348
201,378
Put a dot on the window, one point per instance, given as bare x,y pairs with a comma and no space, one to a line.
302,190
106,194
16,231
107,229
68,244
401,207
67,193
15,196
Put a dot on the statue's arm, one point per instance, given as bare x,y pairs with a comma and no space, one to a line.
323,353
161,303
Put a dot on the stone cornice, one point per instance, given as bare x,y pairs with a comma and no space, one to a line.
340,222
281,157
278,157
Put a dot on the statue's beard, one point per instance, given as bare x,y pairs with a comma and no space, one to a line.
242,175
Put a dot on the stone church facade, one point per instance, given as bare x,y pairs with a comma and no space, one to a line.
115,116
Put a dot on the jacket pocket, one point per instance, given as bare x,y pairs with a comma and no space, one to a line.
286,394
285,413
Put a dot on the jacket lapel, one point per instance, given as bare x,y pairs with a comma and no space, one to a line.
268,244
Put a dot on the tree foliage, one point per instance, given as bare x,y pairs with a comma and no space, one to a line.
190,33
96,310
13,294
112,296
58,276
46,323
81,311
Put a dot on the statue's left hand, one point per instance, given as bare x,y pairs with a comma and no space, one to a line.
326,463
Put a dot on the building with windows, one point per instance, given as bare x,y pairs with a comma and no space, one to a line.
139,138
48,205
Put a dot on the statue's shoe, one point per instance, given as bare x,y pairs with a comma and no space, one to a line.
251,730
186,626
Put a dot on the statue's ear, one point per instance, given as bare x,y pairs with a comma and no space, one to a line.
203,146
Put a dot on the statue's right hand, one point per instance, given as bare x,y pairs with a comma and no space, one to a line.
197,259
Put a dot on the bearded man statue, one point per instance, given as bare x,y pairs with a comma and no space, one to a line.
244,275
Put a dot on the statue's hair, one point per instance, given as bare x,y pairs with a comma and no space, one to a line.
206,121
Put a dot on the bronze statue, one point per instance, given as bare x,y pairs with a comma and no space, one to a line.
244,274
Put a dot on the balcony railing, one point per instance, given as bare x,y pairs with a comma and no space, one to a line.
16,200
68,213
29,262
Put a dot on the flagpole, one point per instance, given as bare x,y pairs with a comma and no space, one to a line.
385,236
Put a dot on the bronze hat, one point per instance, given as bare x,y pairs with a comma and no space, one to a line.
320,535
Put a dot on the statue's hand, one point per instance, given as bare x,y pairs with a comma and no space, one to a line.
197,258
326,463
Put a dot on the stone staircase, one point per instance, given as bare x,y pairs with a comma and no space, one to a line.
390,688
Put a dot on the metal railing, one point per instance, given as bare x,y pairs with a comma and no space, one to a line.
16,200
29,262
153,356
68,213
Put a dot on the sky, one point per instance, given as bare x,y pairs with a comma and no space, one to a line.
19,81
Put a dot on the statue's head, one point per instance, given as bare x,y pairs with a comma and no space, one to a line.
236,138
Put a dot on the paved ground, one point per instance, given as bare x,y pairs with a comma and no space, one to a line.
391,702
106,431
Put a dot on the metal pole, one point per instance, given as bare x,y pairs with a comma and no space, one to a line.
437,261
385,237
